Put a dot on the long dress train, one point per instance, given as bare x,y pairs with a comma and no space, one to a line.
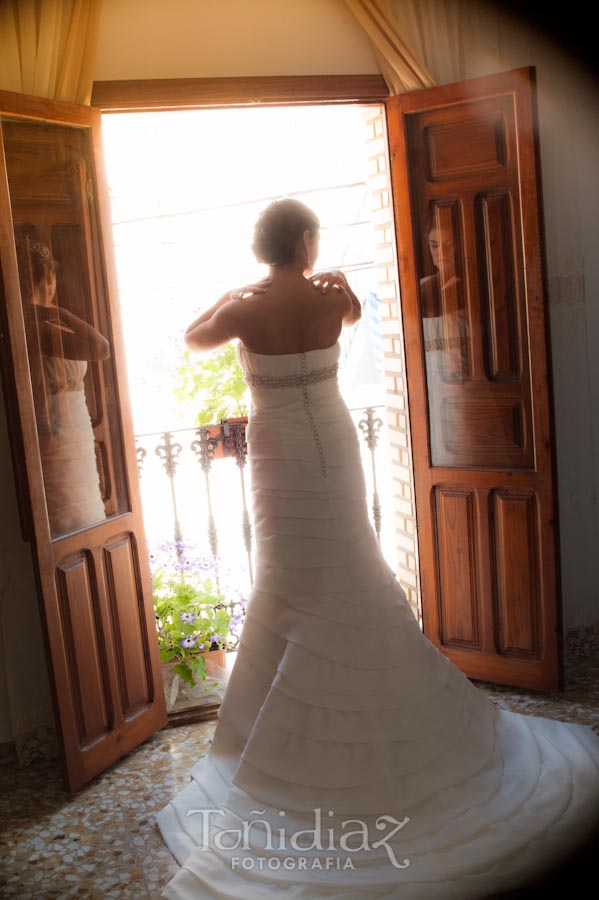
343,721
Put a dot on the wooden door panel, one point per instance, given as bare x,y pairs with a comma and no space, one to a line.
455,528
68,404
129,623
515,549
498,280
85,646
475,141
466,195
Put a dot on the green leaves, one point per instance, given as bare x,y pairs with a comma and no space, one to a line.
198,667
191,614
190,669
184,672
212,384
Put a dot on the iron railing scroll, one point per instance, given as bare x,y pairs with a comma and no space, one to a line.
370,427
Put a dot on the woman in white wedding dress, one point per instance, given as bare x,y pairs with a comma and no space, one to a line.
351,759
66,437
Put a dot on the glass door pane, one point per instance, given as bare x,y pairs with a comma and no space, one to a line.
71,360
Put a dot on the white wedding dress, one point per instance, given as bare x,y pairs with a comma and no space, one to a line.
340,716
67,449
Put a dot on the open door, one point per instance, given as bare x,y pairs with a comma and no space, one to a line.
467,200
72,437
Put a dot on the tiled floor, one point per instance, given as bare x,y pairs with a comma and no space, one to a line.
103,841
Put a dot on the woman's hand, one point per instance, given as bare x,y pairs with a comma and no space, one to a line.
250,289
328,281
336,281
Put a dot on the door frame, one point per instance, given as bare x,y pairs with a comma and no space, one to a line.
363,90
144,95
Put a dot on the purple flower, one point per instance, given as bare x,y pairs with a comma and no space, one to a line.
201,646
236,623
188,617
216,637
188,643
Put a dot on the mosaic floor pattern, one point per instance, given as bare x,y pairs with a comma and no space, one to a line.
103,841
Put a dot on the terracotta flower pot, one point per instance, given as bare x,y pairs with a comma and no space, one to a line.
181,695
215,659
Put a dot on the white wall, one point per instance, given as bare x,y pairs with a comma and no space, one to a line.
225,38
24,692
570,166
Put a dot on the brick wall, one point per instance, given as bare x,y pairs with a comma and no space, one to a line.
393,356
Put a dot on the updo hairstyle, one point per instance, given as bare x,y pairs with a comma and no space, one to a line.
41,260
279,228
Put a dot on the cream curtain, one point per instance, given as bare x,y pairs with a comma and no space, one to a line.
400,68
458,39
420,43
48,47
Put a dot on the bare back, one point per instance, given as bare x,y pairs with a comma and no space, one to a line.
290,317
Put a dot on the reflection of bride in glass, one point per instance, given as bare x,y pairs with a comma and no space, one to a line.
66,437
444,322
446,337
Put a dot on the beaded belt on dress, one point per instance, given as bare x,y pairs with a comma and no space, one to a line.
302,379
282,381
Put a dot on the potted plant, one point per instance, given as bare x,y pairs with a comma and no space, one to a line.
195,624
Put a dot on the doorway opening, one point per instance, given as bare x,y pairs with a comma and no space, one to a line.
186,188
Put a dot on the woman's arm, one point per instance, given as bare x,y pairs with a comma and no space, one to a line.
67,336
336,281
203,328
354,311
219,324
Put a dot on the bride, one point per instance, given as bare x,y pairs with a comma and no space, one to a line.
351,759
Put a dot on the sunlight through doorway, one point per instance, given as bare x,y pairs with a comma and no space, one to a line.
186,188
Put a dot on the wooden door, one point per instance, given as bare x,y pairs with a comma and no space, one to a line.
466,187
72,437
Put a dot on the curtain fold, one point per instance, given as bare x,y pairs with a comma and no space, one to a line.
420,43
48,47
400,68
456,39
